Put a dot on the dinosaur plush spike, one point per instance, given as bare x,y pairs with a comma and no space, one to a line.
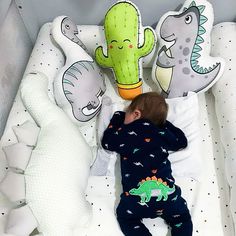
195,56
199,40
201,8
197,48
122,30
203,19
192,4
201,30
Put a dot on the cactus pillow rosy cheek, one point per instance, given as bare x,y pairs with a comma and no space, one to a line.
127,41
183,62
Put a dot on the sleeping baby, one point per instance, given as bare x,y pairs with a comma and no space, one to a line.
143,137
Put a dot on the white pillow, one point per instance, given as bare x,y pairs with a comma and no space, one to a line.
56,176
105,160
183,112
13,186
18,155
21,221
224,44
26,133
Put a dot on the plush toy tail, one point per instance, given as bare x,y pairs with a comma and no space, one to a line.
34,93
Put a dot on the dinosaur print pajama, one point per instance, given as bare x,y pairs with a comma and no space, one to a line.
149,189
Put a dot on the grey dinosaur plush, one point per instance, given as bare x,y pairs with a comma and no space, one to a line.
183,62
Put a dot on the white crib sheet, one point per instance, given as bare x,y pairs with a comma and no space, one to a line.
208,200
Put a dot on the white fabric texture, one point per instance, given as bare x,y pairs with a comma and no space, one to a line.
18,155
183,113
104,163
21,222
27,133
13,186
57,174
225,102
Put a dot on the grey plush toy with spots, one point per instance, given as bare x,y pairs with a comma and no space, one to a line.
183,63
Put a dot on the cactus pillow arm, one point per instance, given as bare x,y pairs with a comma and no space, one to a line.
102,60
148,43
124,50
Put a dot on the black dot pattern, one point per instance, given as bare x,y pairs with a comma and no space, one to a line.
209,199
224,96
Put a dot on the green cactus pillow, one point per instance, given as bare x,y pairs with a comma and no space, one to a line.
126,42
183,62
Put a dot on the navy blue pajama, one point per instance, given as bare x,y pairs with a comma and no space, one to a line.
149,189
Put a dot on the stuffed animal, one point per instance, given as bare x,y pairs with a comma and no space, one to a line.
49,177
183,62
79,85
124,34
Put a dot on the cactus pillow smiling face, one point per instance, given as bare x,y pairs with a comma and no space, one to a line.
124,50
183,62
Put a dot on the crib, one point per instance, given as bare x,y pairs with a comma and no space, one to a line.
207,179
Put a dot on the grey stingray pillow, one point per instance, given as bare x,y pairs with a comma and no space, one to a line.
79,85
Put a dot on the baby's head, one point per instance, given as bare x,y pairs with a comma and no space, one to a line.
151,106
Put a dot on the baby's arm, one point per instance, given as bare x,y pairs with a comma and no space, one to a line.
175,138
111,136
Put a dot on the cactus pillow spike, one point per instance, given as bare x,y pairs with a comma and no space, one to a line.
123,31
79,85
183,61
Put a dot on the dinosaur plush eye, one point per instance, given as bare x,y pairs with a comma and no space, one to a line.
188,19
67,27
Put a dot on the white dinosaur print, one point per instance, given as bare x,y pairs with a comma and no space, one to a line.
146,123
138,164
132,133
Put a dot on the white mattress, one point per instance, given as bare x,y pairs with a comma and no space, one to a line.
208,199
